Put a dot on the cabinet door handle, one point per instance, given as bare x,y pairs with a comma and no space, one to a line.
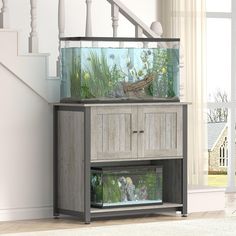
135,131
141,131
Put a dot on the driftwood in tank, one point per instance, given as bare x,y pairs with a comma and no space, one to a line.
139,85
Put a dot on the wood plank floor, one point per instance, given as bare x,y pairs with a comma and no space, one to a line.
71,223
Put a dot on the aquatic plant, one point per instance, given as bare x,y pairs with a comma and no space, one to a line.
148,182
103,78
96,188
100,76
111,189
162,69
75,76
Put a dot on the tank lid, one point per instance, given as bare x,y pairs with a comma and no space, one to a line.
119,39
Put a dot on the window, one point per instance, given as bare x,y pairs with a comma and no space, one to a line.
219,77
223,160
218,5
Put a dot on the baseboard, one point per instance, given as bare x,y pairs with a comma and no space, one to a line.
202,199
26,213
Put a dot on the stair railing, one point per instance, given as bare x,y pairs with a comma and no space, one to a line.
140,28
117,7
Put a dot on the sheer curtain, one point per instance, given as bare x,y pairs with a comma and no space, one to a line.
186,19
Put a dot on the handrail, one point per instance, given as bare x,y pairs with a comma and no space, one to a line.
140,27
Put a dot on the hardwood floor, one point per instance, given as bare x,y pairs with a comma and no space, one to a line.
71,223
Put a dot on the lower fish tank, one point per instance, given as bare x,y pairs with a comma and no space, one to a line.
119,69
126,186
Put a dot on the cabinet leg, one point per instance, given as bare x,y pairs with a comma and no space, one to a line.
184,212
56,215
87,218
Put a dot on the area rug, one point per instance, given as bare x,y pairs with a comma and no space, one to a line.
202,227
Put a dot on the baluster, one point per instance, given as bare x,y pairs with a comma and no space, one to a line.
88,30
121,44
139,34
115,18
61,29
145,44
138,31
4,15
33,39
61,18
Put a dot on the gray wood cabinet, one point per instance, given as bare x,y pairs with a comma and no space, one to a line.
113,136
96,135
162,131
134,132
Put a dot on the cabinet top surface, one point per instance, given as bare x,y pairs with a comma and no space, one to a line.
121,104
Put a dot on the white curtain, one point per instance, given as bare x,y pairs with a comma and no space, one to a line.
186,19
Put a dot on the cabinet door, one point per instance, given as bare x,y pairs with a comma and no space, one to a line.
160,131
113,133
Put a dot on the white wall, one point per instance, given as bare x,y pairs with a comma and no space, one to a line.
75,21
25,119
25,151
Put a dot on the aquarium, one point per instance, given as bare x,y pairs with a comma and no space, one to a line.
126,186
119,69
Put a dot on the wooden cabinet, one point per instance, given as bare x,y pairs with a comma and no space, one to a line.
112,133
133,132
160,131
99,135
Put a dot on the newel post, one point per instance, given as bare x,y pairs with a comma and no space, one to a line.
33,38
4,15
88,30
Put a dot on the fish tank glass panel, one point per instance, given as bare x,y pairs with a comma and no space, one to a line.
126,186
119,69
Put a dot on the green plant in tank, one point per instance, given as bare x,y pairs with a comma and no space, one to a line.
75,77
103,78
111,190
149,182
96,188
162,69
86,91
173,62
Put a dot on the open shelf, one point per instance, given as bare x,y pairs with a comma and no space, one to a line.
133,208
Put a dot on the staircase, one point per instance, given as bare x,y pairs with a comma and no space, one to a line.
30,69
26,122
38,79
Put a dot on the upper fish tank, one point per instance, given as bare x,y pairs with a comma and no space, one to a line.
95,69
